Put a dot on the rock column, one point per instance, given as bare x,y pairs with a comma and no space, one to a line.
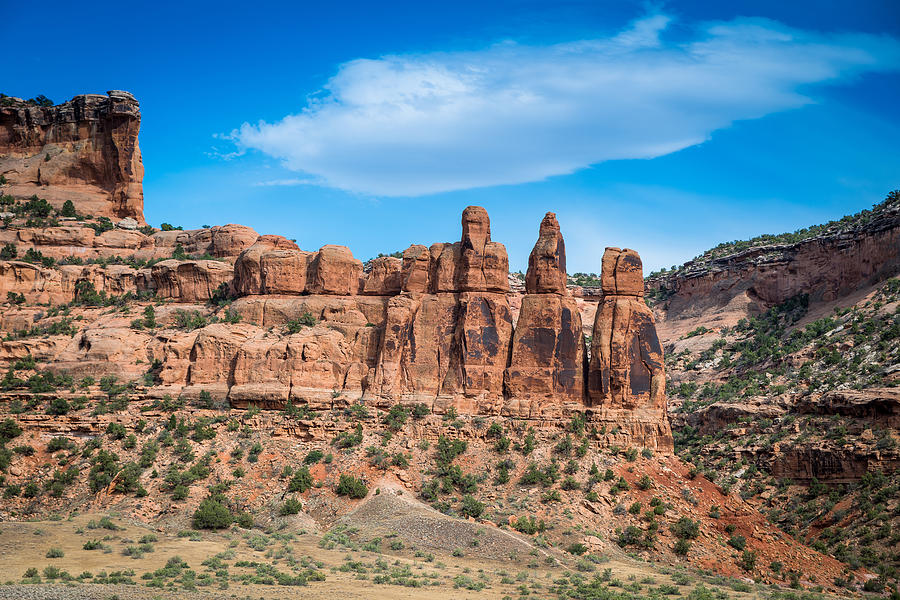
547,360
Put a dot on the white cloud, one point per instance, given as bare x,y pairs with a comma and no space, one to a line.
286,182
407,125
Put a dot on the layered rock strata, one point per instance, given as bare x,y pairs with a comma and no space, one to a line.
317,328
85,150
827,267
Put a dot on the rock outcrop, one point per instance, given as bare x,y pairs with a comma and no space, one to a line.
84,150
219,241
547,261
274,265
723,290
547,360
447,335
434,327
627,374
189,280
626,358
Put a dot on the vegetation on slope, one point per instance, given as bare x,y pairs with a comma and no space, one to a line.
846,224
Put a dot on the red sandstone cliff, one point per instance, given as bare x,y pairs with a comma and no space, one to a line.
84,150
719,291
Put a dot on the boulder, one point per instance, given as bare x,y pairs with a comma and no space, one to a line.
66,235
414,272
622,273
284,271
122,238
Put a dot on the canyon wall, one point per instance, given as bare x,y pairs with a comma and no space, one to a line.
719,291
84,150
317,328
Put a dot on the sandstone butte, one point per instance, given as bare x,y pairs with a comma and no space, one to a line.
439,326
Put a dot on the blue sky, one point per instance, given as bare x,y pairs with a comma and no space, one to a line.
665,127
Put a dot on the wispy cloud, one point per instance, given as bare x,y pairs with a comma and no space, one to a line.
407,125
286,182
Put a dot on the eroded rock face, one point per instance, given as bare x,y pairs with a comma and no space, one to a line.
626,359
248,269
547,361
725,289
190,280
435,327
626,370
84,150
547,261
384,278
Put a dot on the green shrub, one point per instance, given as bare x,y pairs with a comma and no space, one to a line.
395,417
738,542
245,520
348,439
685,528
58,406
104,467
471,507
189,320
577,548
291,506
301,481
68,209
116,431
55,553
529,525
212,514
748,560
9,429
351,486
313,456
305,320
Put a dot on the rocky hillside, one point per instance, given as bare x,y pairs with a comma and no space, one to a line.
795,405
219,377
